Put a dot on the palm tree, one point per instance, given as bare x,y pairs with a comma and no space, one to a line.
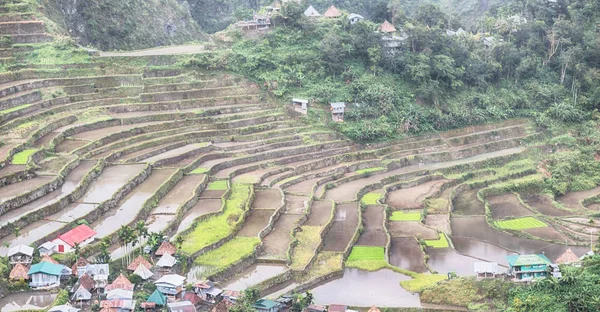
179,241
123,236
77,249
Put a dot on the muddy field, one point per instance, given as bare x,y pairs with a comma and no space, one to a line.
543,204
215,194
320,213
181,192
438,222
256,222
295,204
373,233
276,244
413,197
573,200
406,253
16,189
344,226
507,205
466,203
253,275
480,250
67,146
304,187
411,229
444,260
202,207
267,199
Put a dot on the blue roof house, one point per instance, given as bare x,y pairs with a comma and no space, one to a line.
528,267
47,275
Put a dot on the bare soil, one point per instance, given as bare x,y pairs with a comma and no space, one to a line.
413,197
304,187
256,222
548,233
320,213
543,204
202,207
411,229
295,204
267,199
466,203
373,234
439,222
67,146
339,235
507,205
572,200
212,194
406,253
276,244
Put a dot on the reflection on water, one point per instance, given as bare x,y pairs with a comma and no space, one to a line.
198,273
26,301
364,289
255,274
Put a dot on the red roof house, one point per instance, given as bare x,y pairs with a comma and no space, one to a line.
47,258
121,282
80,235
136,263
19,272
386,27
166,248
568,257
332,12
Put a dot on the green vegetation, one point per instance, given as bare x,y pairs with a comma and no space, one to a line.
442,242
13,109
369,170
421,281
402,216
200,170
231,252
371,198
220,185
368,253
62,51
520,224
485,295
21,158
309,238
218,227
326,262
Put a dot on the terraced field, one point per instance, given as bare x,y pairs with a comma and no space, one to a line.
212,161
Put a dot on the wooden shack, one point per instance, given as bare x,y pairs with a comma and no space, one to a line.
300,105
337,111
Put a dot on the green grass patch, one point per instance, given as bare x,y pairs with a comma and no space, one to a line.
308,240
368,265
367,253
369,170
231,252
326,262
401,216
442,242
482,295
422,281
199,170
371,198
520,224
21,158
220,185
218,227
13,109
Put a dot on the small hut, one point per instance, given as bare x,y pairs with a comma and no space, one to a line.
355,18
19,273
485,269
166,248
143,272
166,262
133,266
387,28
82,291
311,12
47,248
20,254
569,257
48,259
337,111
300,105
158,298
333,12
121,282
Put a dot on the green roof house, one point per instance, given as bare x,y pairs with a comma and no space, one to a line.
46,274
158,298
266,305
528,267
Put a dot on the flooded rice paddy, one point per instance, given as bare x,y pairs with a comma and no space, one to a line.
255,274
27,301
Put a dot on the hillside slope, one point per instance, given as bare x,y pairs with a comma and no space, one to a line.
124,25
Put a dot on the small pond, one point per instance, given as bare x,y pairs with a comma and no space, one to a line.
26,301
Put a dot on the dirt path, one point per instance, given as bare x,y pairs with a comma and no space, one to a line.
182,49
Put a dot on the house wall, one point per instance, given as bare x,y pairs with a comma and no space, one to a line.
41,279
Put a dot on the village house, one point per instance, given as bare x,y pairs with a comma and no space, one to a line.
266,305
311,12
118,305
64,308
47,275
119,294
272,10
528,267
223,306
82,290
300,105
121,282
137,262
355,18
231,295
156,299
99,273
143,272
337,308
181,306
207,291
48,259
166,262
568,258
485,269
18,273
193,298
47,249
332,12
316,308
170,284
165,248
387,28
81,235
337,111
20,254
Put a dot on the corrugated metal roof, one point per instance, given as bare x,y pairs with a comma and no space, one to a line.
485,267
77,235
338,105
21,249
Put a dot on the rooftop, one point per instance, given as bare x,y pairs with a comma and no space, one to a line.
46,268
21,249
520,260
77,235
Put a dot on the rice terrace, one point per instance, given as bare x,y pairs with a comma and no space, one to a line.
213,176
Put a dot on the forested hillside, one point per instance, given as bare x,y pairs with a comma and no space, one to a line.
531,59
124,25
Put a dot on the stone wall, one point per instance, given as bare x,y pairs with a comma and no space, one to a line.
28,98
175,159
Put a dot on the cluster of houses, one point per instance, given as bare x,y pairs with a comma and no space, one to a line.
526,268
